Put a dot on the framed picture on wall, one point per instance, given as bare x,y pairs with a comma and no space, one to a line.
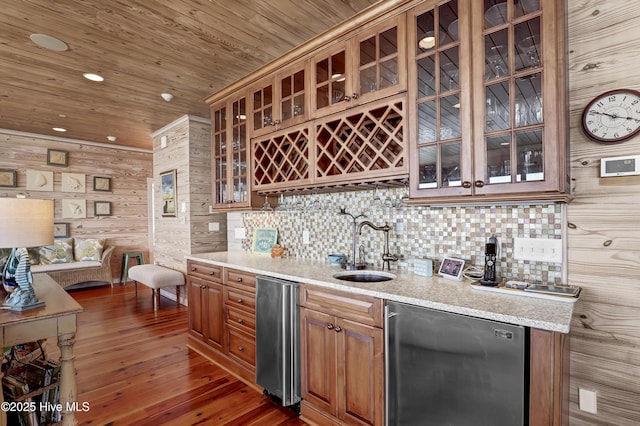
102,208
101,183
168,188
56,157
60,230
8,178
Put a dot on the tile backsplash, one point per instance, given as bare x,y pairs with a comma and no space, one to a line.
418,232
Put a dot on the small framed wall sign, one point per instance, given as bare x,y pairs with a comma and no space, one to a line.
168,188
60,230
102,208
101,183
8,178
56,157
264,239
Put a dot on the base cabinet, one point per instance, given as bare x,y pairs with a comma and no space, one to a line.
342,361
222,317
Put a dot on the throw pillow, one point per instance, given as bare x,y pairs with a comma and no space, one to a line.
60,252
88,248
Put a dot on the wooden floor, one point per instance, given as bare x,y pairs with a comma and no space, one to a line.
133,367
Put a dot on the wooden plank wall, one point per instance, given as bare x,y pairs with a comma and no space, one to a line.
604,223
126,228
188,151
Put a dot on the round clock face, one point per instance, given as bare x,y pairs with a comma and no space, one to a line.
613,116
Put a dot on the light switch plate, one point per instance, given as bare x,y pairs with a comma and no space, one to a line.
588,401
538,249
305,236
214,226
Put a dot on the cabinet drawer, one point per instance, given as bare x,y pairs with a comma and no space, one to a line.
239,279
356,307
205,271
241,319
240,299
242,346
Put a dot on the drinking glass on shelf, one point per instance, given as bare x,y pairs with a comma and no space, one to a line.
496,61
530,46
266,207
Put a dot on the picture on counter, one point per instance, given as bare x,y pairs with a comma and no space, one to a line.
101,183
39,181
264,239
451,268
60,230
57,157
102,208
8,178
74,182
168,188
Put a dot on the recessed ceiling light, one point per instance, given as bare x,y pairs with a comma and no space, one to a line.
111,138
427,42
59,129
167,96
62,116
49,42
93,77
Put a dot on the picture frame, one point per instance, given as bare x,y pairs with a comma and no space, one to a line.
57,157
101,183
8,178
102,208
38,180
168,189
451,268
61,230
74,182
74,208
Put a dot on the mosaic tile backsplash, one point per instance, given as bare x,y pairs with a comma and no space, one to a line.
418,232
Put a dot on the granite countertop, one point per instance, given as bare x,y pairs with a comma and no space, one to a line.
431,292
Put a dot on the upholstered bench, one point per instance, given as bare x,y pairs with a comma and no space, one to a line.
156,277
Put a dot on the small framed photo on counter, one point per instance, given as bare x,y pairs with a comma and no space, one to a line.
451,268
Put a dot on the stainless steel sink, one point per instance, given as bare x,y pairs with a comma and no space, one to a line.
364,276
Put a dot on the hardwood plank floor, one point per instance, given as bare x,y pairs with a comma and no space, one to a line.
133,367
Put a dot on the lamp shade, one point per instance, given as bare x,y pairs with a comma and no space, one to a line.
25,222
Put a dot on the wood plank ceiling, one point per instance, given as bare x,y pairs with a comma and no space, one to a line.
189,48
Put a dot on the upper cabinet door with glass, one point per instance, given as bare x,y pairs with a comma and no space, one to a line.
332,80
281,100
519,78
440,100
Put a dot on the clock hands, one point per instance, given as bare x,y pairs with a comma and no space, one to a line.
615,116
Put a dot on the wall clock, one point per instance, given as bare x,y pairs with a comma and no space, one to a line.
613,116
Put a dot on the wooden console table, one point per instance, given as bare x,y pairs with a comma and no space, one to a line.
56,318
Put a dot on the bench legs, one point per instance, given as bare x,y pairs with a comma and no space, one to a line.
156,295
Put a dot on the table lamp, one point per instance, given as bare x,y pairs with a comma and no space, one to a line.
23,223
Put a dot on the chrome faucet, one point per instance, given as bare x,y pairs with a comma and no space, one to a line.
353,264
386,256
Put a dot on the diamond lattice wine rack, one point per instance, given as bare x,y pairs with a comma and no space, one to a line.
365,143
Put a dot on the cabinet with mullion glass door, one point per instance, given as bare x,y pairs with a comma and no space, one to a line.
280,100
440,100
367,67
230,155
520,81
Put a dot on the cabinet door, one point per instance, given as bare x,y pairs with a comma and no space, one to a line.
219,150
196,324
318,360
379,60
360,373
293,95
332,76
214,315
263,107
519,80
440,107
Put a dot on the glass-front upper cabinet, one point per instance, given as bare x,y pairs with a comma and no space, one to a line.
487,92
439,75
517,78
230,155
280,101
332,80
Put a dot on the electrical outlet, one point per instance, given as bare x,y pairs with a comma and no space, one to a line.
587,401
305,236
214,226
239,233
538,249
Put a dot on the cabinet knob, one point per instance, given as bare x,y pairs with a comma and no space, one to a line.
466,184
355,96
241,348
212,273
275,122
240,321
239,279
239,300
193,269
330,326
346,98
338,329
479,183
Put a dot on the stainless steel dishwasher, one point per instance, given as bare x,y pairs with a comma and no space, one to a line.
449,369
278,339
